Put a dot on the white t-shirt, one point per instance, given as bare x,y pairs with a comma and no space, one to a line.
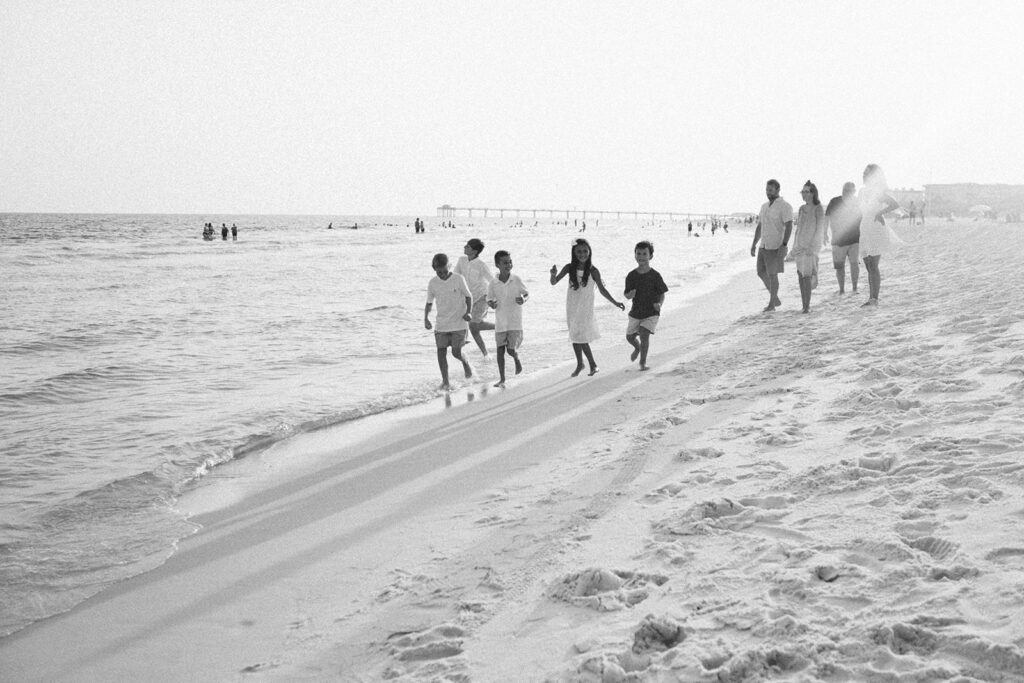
508,315
477,275
451,302
773,218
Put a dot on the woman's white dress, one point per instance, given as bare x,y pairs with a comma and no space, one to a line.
874,235
810,233
579,311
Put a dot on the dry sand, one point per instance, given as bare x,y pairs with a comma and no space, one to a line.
833,496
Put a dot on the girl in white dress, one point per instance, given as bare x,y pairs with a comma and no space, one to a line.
579,302
810,232
875,241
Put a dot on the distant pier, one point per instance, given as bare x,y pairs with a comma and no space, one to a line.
449,211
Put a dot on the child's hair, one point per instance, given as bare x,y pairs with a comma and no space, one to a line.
439,260
645,244
476,244
500,254
575,265
814,191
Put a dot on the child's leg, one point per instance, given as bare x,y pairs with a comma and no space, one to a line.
854,271
645,345
442,363
578,350
590,358
515,356
474,329
501,366
457,352
631,338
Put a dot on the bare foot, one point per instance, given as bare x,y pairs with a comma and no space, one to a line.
519,366
636,354
445,387
469,370
593,371
577,371
768,309
644,367
500,385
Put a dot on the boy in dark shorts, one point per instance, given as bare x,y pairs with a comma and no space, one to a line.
453,306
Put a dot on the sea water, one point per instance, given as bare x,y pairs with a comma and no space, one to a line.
135,357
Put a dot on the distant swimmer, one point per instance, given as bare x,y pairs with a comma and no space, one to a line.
330,226
234,232
223,232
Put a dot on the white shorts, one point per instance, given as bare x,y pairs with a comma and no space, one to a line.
634,324
511,339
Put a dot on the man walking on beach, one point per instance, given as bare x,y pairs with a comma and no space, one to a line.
774,225
843,220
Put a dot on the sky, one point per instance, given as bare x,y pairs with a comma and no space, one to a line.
289,107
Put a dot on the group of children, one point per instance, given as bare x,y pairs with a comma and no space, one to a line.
464,294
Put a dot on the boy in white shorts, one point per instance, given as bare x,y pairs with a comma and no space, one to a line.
506,295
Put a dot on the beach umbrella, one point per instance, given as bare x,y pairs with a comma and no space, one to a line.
980,208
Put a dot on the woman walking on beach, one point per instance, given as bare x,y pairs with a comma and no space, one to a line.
875,241
579,302
810,232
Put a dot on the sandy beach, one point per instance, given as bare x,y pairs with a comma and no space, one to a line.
835,496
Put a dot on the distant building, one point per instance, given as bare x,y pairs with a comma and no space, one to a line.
1006,201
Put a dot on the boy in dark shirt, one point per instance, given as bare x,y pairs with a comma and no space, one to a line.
646,288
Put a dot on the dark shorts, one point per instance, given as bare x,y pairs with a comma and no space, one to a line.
452,339
840,254
771,261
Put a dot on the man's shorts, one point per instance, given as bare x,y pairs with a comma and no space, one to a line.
479,310
453,339
634,324
771,261
510,339
840,254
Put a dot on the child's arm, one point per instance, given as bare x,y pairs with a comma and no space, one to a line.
426,315
596,276
523,294
629,293
554,270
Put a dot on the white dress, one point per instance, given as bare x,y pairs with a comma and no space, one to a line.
874,235
579,311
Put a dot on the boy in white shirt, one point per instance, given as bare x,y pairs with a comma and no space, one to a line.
478,277
453,306
506,295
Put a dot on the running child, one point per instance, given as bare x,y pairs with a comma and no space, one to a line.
646,288
579,302
506,295
453,306
478,277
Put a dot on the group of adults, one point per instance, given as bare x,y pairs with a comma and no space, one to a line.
858,231
209,231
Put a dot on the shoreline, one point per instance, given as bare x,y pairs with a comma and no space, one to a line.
831,494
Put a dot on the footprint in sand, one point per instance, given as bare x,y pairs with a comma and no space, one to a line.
604,590
938,548
437,642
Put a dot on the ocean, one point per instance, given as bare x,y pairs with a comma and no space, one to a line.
135,358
